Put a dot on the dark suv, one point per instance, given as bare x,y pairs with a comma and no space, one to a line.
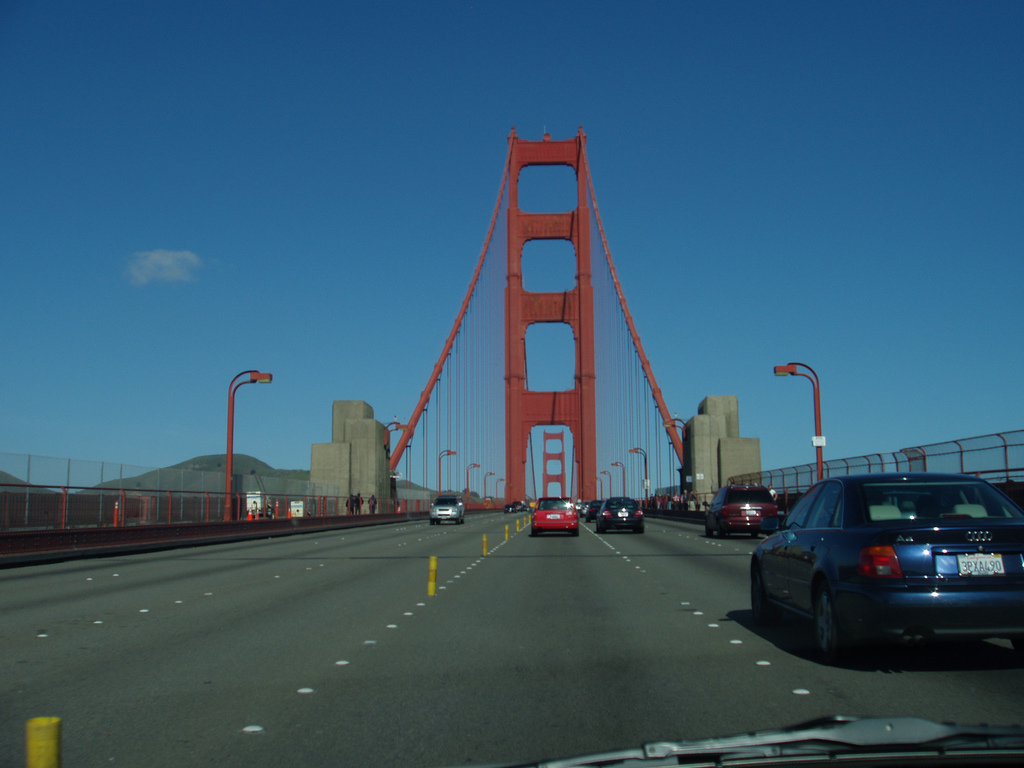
739,509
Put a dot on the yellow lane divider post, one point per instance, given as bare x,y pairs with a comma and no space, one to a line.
432,577
506,533
517,525
42,741
485,545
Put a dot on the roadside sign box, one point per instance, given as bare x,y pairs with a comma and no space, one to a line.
297,509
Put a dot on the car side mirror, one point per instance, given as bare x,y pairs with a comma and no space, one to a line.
771,524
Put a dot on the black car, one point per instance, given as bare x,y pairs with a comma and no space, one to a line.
895,557
620,513
592,509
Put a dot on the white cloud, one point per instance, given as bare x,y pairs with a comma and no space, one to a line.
163,267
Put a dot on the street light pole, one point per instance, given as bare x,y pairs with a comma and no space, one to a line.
792,369
612,490
497,482
647,481
676,421
255,377
606,472
466,498
445,452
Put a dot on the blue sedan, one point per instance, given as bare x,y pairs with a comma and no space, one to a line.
895,557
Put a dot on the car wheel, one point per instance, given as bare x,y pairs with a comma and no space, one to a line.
827,636
1018,645
707,529
533,531
765,612
576,532
640,529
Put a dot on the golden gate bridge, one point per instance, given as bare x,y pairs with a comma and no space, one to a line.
478,413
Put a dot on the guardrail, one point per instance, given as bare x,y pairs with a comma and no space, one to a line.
40,523
998,458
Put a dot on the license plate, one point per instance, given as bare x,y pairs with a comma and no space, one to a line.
753,512
980,565
554,517
623,514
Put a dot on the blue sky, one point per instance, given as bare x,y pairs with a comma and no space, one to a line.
189,190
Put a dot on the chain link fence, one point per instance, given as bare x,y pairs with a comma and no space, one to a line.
52,472
998,458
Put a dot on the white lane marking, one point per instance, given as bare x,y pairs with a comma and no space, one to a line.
764,663
801,692
341,663
253,729
305,690
736,642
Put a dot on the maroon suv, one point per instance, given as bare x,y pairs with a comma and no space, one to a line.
739,509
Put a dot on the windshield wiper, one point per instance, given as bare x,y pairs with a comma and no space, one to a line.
825,738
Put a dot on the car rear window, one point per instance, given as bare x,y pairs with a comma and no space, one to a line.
555,504
622,503
936,500
748,496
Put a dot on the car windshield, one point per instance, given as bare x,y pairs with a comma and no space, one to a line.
446,501
930,500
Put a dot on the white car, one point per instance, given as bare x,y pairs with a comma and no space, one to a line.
448,508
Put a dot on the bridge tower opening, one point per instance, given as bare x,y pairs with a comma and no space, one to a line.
574,408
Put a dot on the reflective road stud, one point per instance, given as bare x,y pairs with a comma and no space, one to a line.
42,740
432,577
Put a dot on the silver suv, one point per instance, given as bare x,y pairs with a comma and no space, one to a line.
447,508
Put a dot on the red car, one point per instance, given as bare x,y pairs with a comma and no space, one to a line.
739,509
555,515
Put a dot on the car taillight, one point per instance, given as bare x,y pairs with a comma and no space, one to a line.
879,561
639,513
606,513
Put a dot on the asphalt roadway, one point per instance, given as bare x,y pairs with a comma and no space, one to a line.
324,649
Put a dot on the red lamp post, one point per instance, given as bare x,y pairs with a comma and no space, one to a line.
485,484
647,481
792,369
497,494
445,452
606,472
255,377
466,498
677,422
612,490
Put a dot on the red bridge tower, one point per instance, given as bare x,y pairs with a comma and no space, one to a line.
574,408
